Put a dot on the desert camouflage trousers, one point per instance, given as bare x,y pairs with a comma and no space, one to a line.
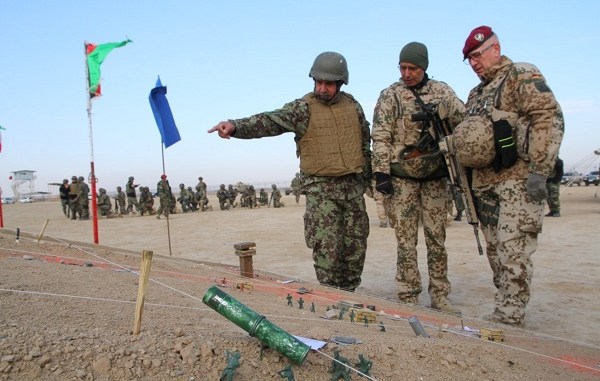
553,197
382,207
131,202
426,201
510,222
337,231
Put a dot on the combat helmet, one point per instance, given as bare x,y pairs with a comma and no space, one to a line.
273,186
74,178
81,178
130,178
473,141
415,164
330,66
102,190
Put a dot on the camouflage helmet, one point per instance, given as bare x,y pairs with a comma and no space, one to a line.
102,190
273,186
119,189
182,185
419,165
130,178
74,178
200,178
473,141
330,66
65,181
222,186
81,178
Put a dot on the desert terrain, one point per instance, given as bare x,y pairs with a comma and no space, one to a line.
67,304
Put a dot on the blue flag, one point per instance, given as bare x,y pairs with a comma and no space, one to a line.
163,115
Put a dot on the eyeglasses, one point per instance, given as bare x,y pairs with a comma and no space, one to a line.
476,55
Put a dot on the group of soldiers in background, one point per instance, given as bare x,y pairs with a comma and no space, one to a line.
75,198
227,197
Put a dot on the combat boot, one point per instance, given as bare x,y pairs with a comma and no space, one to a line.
444,305
458,216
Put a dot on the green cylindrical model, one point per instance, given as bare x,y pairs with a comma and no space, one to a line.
256,325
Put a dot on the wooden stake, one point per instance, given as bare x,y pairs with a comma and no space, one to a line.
43,230
144,275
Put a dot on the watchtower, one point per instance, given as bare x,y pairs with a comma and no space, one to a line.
23,183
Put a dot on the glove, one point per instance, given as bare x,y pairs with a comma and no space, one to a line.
383,183
506,150
536,187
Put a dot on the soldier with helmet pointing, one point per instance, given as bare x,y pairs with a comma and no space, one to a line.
333,143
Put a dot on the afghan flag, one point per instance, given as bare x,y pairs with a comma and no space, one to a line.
163,115
1,128
95,55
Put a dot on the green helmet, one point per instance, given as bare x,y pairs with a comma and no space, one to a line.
330,66
102,190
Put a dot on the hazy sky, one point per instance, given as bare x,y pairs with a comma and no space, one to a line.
230,59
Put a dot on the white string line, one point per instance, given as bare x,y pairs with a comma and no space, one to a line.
195,298
208,309
238,277
389,317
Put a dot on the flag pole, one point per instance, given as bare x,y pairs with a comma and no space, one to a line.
162,150
92,179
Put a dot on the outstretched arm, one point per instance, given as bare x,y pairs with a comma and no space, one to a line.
225,129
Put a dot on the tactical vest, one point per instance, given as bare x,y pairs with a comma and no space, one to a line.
332,144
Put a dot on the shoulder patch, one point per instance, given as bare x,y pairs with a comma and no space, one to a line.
541,85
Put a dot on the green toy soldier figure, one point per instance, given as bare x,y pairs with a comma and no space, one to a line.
312,307
339,367
289,299
287,373
364,365
233,362
301,303
381,326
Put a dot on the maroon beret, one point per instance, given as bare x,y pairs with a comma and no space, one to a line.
477,37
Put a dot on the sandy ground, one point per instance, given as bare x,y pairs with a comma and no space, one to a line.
562,316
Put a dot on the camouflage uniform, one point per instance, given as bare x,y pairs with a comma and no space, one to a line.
104,204
414,199
73,198
165,197
223,196
263,197
510,219
184,199
131,196
232,195
381,204
336,224
121,201
553,187
84,202
193,198
276,197
146,203
296,187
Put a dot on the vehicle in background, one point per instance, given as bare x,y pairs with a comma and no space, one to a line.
8,200
26,200
592,178
570,178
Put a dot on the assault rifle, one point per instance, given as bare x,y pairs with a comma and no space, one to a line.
439,133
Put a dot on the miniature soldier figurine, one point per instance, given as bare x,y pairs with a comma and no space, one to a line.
351,315
287,373
339,370
312,307
381,326
233,362
301,303
289,299
364,365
